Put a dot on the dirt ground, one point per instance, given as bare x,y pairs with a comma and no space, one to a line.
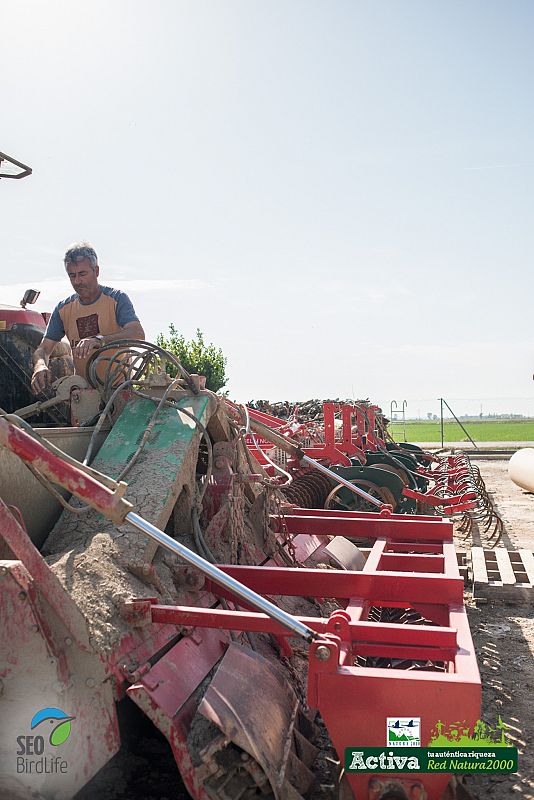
503,636
504,641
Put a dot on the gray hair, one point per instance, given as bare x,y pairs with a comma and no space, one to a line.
80,250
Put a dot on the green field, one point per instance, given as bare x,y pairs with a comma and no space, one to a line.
521,430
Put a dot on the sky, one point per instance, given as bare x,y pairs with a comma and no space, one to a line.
338,194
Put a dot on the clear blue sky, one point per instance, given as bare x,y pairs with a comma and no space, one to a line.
339,194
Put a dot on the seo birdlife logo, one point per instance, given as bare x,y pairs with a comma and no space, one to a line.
52,726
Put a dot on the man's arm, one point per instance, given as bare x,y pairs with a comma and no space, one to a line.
55,331
42,377
131,330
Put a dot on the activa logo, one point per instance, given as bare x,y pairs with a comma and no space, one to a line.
374,760
55,727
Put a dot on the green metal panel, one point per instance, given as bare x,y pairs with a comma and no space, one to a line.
377,476
165,465
170,438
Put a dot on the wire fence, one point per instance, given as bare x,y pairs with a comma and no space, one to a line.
471,421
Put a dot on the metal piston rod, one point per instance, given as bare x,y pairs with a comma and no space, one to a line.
221,578
356,489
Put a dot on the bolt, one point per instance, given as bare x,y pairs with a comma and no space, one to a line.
22,595
375,789
68,641
322,653
3,572
417,791
90,683
337,626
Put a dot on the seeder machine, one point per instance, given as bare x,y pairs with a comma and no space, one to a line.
176,572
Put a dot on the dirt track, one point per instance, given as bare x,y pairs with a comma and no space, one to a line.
504,641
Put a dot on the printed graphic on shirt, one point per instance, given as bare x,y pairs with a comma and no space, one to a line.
88,326
110,312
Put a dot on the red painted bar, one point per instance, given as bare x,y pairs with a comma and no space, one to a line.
368,634
67,475
408,653
450,510
434,500
267,419
451,562
379,586
376,527
328,513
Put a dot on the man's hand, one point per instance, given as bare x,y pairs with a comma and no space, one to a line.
41,379
85,347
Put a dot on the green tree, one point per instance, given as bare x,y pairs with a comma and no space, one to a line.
195,356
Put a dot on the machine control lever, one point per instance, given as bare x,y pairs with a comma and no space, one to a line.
62,389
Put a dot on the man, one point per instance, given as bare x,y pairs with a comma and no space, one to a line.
94,316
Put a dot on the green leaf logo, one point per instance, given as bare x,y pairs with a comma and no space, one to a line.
60,733
56,717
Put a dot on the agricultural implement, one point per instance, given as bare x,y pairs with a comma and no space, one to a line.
118,596
360,451
354,441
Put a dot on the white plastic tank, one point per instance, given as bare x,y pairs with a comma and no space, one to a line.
521,468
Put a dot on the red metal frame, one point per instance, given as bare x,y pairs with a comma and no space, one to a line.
414,567
366,525
411,565
77,481
450,490
332,449
50,654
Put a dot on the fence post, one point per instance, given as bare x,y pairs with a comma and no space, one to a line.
442,437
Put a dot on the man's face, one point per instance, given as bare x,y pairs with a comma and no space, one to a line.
84,278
